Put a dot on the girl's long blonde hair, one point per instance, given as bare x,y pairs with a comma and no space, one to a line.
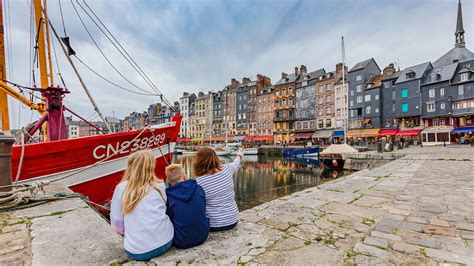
140,177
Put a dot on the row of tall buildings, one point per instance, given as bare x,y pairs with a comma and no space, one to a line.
431,101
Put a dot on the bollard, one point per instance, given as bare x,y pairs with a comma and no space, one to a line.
6,143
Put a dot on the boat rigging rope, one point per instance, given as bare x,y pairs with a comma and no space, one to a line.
102,53
121,50
111,82
62,17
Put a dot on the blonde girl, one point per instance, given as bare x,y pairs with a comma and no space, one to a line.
138,209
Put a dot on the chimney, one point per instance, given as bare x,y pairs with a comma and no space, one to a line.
283,75
389,70
245,81
234,83
296,71
303,70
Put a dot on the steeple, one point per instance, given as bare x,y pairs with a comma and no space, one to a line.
459,29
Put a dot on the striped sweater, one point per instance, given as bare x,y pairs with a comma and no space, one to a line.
221,208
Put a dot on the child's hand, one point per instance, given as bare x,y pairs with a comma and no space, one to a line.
240,153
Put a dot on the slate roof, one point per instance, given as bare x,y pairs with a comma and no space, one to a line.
419,70
289,78
456,54
445,73
361,65
311,75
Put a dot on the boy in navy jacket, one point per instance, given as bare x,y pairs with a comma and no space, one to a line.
186,208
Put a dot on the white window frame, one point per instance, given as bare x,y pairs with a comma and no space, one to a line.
359,88
367,98
461,90
441,92
359,99
464,77
442,106
432,109
432,93
368,110
359,77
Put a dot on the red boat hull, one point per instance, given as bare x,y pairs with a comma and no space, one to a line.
71,160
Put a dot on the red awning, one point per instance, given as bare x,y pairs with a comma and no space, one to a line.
262,138
387,132
409,132
183,140
247,138
303,135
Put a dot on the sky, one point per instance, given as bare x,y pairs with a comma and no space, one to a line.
200,45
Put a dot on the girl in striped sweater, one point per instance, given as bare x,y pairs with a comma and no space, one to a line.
216,180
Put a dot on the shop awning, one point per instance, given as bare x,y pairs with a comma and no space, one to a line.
438,129
215,139
463,130
247,138
183,140
387,132
303,135
262,138
366,132
409,132
196,139
238,138
338,133
322,134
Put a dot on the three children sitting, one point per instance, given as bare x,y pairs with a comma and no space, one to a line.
152,218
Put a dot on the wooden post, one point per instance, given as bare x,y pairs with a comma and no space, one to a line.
6,143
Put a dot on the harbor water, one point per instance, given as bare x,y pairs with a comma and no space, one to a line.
263,178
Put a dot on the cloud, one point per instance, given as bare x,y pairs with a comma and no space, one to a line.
201,45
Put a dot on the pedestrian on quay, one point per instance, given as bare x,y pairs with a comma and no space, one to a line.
138,209
216,180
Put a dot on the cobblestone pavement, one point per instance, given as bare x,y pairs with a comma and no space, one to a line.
417,210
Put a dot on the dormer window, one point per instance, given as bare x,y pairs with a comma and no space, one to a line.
410,75
321,77
435,77
369,85
464,77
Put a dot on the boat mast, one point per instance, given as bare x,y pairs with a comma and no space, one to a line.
45,77
89,95
344,89
4,119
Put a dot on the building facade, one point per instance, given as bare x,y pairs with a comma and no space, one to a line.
229,107
264,113
357,77
254,90
186,101
284,107
203,115
242,108
218,128
341,98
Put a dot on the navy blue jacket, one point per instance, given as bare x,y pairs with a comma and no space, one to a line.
186,208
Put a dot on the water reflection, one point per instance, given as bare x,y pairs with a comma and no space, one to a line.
261,178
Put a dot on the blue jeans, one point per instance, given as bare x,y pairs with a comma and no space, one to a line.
150,254
223,228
